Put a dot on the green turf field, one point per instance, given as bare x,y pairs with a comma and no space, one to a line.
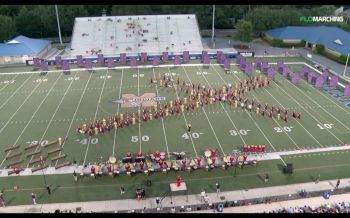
36,108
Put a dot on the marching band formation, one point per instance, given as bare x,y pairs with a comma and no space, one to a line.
197,96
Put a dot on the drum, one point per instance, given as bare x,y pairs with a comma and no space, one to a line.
207,153
162,157
168,163
225,159
162,153
192,163
157,158
112,159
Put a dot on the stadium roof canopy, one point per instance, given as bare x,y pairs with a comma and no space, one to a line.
331,37
22,45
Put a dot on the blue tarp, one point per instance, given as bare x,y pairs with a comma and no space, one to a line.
22,45
325,35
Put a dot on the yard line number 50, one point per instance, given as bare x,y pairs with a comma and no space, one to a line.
144,138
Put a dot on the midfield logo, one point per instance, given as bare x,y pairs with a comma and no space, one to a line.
145,100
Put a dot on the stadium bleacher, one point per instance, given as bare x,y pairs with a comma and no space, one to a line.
132,35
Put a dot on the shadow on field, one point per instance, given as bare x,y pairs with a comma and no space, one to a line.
313,178
260,178
280,167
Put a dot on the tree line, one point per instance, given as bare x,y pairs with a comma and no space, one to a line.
39,21
262,18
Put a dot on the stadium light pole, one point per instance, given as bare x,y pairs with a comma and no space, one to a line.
58,25
212,32
346,65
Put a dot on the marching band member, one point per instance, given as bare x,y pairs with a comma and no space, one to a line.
161,163
199,160
142,165
279,109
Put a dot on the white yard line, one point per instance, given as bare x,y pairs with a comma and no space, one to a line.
101,68
138,95
119,95
31,118
234,125
183,115
320,106
327,97
48,125
166,140
98,103
253,121
308,113
25,100
295,144
8,83
295,119
15,92
73,118
222,150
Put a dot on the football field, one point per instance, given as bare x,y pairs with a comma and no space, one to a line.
37,110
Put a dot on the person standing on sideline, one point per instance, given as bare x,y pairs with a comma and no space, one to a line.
202,195
122,190
158,201
33,198
75,176
337,185
189,127
217,188
318,178
266,177
48,189
2,200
